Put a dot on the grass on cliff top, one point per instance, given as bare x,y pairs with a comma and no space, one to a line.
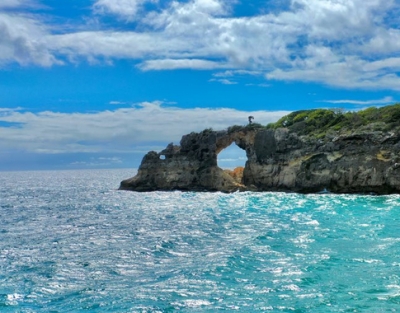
320,121
234,128
251,126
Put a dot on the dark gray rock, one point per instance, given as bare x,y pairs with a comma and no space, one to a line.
277,160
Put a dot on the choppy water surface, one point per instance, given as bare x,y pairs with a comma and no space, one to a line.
70,242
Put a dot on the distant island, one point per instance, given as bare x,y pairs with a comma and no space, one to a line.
307,151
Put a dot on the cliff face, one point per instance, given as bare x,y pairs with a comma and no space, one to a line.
277,160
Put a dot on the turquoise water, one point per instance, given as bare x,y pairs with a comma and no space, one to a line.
70,242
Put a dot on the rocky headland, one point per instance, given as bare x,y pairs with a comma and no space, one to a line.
306,151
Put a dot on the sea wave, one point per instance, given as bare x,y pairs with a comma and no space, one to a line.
71,242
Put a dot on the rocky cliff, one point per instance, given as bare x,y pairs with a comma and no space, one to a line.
290,155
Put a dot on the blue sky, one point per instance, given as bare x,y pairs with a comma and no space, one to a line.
98,83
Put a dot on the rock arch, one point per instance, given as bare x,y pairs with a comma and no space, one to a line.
193,164
231,157
238,140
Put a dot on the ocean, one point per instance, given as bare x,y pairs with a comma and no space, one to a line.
71,242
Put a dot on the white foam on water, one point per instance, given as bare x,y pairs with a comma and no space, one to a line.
14,298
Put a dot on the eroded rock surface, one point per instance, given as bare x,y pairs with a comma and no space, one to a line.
277,160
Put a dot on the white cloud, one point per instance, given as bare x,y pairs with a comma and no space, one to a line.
223,81
340,20
231,73
344,43
259,85
117,102
23,40
98,161
384,100
171,64
387,63
120,130
228,160
348,72
386,41
10,3
128,9
5,111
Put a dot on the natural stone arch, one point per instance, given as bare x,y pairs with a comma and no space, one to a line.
192,165
230,152
226,144
244,139
237,160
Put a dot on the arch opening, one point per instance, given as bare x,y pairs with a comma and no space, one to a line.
232,160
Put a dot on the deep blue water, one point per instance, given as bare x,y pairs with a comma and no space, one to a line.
70,242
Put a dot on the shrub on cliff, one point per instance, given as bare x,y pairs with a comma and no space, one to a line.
234,128
309,121
321,122
254,126
318,122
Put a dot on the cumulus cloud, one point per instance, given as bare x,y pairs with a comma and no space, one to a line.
121,130
23,40
344,43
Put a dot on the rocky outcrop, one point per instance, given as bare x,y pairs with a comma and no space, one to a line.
277,160
192,165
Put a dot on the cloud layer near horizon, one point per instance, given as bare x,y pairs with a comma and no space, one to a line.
342,43
130,129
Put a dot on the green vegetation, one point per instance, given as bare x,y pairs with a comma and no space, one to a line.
236,128
319,122
254,126
207,131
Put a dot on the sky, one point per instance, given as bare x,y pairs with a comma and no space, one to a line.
98,83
